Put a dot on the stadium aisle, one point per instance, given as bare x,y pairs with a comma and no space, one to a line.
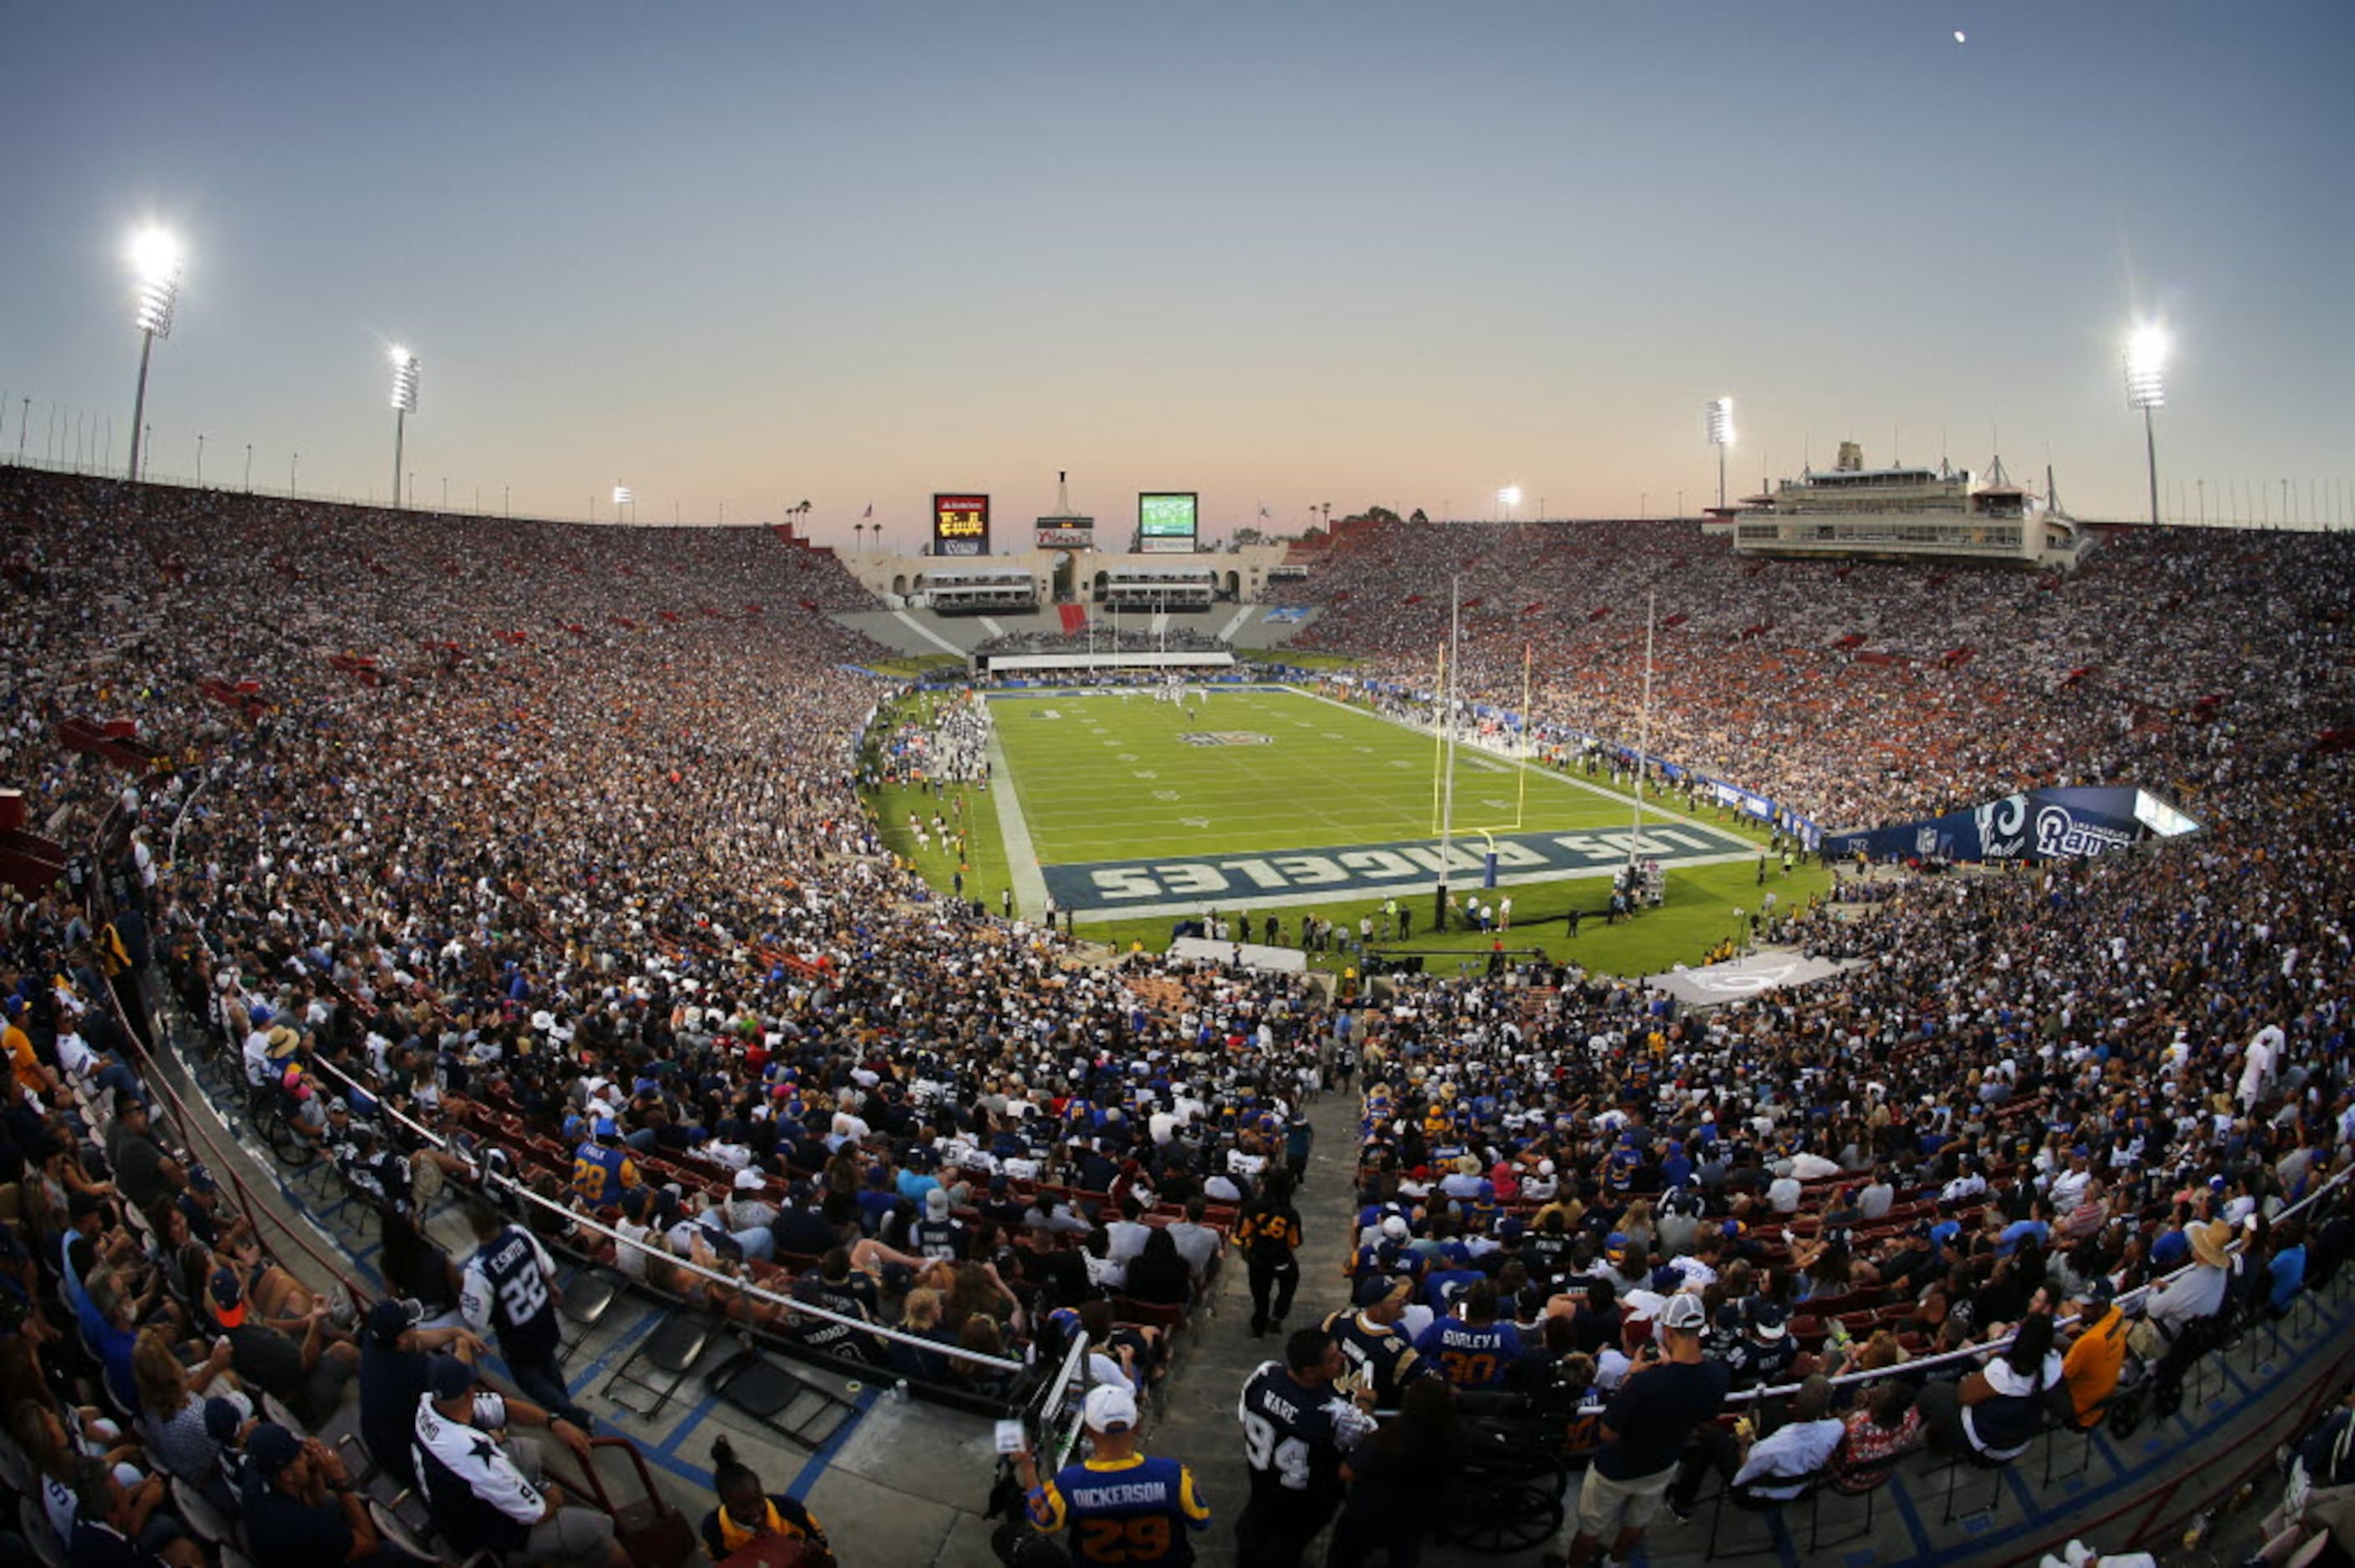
1196,1422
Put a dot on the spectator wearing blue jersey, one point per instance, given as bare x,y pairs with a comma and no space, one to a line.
1119,1505
1472,1351
602,1169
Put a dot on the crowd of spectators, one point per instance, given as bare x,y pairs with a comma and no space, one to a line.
460,815
549,836
1105,639
1961,682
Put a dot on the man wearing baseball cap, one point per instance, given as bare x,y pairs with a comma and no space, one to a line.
2098,1353
1668,1392
1379,1358
1119,1505
485,1497
299,1508
395,1354
601,1167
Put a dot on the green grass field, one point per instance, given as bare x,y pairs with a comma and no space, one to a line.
1109,779
1135,826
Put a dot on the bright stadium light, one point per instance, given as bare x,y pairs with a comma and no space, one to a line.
156,291
1720,436
404,403
2145,390
1509,498
623,496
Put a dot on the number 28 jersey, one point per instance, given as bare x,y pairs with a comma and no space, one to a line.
1295,1434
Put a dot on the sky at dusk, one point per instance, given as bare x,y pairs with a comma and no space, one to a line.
743,255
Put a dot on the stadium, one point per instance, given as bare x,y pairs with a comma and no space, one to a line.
1813,1028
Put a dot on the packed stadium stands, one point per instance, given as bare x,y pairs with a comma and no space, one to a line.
537,847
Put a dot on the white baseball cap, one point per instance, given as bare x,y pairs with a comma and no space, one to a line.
1110,1409
1684,1311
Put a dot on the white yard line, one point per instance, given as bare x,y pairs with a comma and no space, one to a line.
1021,859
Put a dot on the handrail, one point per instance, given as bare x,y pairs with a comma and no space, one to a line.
1074,1359
743,1287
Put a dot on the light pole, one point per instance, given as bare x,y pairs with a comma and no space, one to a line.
293,471
404,403
2145,390
1508,500
249,468
201,460
1720,436
156,271
623,496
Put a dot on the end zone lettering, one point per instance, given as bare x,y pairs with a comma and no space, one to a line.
1259,878
1225,737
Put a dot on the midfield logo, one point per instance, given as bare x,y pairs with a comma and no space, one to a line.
1224,738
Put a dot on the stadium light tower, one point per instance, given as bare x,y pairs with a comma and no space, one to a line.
623,496
1509,498
1720,436
2145,390
404,403
155,284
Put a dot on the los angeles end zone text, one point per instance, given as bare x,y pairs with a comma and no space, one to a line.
1244,880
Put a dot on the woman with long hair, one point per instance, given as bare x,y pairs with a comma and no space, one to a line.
171,1406
1998,1410
1401,1479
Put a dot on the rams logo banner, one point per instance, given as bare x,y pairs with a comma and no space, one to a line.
1224,738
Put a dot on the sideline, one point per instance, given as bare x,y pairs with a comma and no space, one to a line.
1014,832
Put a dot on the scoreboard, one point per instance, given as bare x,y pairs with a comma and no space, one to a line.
960,525
1168,522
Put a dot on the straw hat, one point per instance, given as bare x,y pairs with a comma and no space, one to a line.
2209,1243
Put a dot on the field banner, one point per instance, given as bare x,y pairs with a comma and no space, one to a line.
2074,823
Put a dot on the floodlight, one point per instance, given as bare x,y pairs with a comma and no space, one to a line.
156,289
404,403
622,496
155,280
1720,436
1509,498
404,381
2146,368
2145,390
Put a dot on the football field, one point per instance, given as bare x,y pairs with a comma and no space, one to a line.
1258,797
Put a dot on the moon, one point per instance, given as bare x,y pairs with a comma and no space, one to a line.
1959,37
